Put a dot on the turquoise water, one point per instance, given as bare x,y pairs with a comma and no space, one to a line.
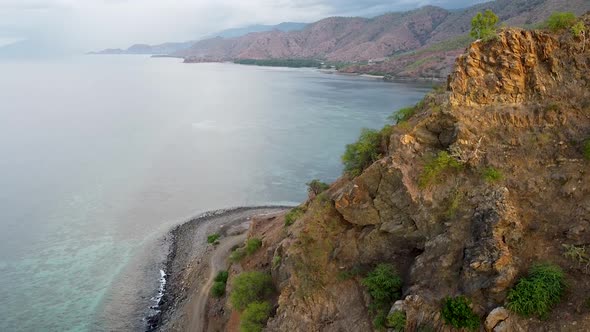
101,155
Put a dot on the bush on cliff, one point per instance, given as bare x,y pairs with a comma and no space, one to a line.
254,317
293,215
218,289
536,294
560,21
316,187
252,245
397,321
384,286
250,287
456,311
435,167
483,26
362,153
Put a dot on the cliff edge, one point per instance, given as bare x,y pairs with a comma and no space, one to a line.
485,180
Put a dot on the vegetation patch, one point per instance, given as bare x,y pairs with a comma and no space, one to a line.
397,321
578,29
276,261
483,26
361,154
577,254
237,255
250,287
254,317
293,215
252,245
456,312
561,20
536,294
436,167
491,174
213,238
293,63
218,289
384,285
221,276
316,187
405,113
220,281
454,202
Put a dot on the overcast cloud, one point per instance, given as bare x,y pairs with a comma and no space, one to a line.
96,24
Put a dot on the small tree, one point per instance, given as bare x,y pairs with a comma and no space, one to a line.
483,26
316,187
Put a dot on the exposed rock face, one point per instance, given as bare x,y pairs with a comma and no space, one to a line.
464,233
519,66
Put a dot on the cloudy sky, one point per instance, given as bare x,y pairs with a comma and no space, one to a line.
96,24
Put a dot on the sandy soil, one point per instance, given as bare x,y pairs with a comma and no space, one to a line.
192,265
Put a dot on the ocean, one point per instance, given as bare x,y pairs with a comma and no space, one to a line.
102,155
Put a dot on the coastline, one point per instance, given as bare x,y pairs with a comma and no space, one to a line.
186,267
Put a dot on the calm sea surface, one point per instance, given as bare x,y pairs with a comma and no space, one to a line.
101,155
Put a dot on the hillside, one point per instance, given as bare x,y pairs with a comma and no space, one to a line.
475,186
418,43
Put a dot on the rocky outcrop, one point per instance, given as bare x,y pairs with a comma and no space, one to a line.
464,232
519,66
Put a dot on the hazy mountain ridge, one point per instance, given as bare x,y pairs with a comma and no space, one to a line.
397,44
173,47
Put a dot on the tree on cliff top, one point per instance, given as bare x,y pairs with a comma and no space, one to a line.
483,26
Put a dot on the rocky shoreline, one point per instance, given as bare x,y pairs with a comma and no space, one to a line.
185,265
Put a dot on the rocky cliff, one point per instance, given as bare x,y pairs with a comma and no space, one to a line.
514,120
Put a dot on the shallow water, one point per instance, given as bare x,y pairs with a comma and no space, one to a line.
101,155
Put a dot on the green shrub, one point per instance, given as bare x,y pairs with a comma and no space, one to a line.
237,255
403,114
586,149
483,26
252,245
316,186
221,277
397,321
538,292
218,289
380,320
457,313
254,317
213,238
384,284
578,29
436,167
362,153
293,215
561,20
276,261
250,287
491,174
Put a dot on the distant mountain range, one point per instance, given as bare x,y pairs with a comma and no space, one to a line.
172,47
418,43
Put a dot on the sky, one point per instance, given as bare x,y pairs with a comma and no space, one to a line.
97,24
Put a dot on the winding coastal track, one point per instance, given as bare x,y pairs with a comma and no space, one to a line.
198,303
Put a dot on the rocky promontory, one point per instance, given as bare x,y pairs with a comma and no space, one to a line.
488,178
